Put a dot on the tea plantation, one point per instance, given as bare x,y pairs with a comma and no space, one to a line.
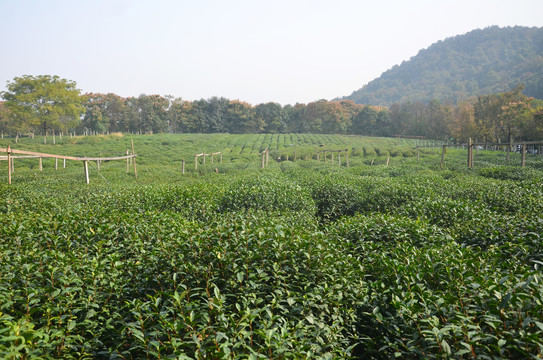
299,260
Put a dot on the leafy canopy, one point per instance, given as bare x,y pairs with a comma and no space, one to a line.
43,101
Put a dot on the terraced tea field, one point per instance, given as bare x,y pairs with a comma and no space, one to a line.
301,259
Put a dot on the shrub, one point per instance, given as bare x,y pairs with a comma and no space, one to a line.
408,153
369,151
266,191
395,152
335,197
381,151
356,151
509,173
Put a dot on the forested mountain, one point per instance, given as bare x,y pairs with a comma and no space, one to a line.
492,60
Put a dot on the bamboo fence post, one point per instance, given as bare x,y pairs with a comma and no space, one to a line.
204,156
196,162
263,160
347,158
9,165
56,163
64,164
127,161
134,155
54,138
41,165
212,158
182,166
332,157
86,167
339,158
372,160
324,152
388,160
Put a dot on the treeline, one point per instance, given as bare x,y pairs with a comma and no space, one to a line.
44,104
502,117
155,113
498,117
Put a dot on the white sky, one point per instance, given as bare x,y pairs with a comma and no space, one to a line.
285,51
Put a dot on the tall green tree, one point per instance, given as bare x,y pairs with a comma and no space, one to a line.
95,118
216,113
271,115
241,119
462,125
486,111
115,107
44,102
176,113
515,112
364,122
296,120
5,118
440,116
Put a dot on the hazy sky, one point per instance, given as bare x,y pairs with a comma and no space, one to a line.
285,51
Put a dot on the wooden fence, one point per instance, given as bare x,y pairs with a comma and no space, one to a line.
508,147
13,154
203,155
470,145
324,151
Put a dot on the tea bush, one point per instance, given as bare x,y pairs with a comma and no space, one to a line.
369,151
266,191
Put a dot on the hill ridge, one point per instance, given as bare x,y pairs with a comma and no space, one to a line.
482,61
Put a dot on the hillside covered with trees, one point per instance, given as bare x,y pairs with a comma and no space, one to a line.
487,61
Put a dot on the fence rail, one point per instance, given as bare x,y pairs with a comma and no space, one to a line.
85,159
519,145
